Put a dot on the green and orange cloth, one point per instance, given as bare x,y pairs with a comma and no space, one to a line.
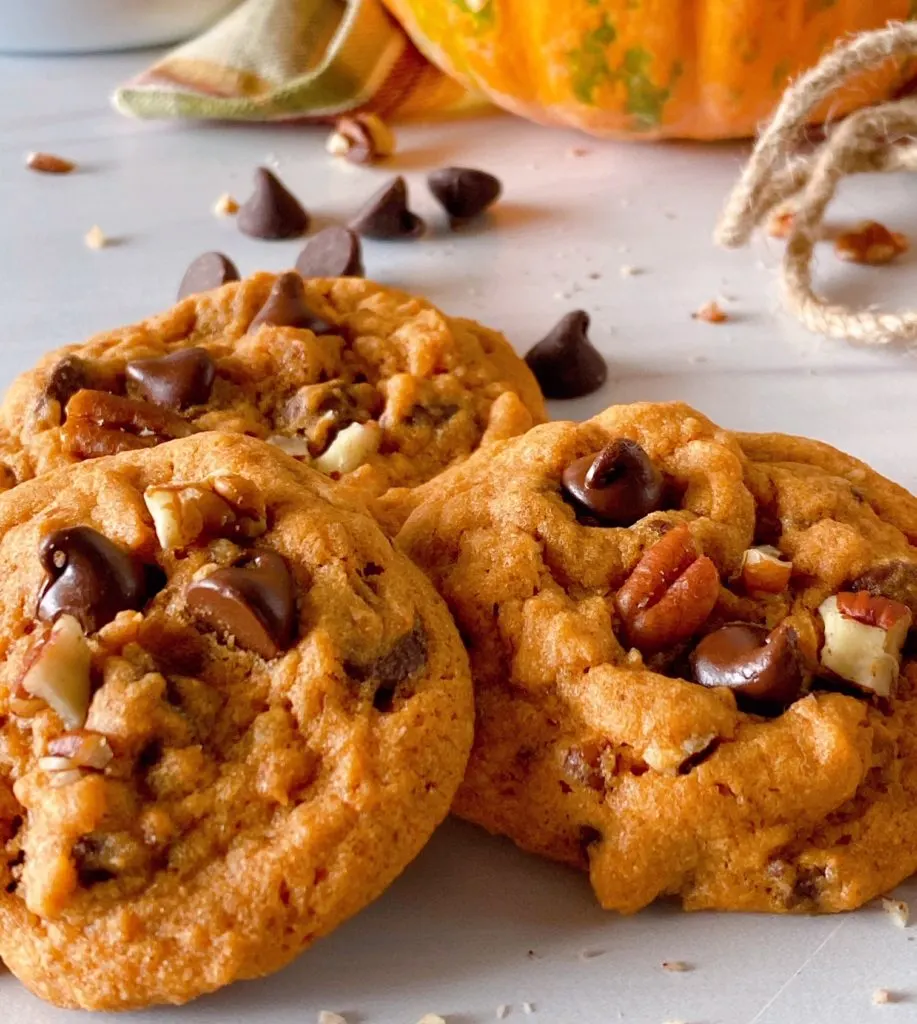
272,60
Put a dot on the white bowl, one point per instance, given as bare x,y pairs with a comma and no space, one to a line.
81,26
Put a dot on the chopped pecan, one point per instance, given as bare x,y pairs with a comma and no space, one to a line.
99,423
871,243
669,594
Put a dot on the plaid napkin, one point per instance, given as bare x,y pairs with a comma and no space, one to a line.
272,60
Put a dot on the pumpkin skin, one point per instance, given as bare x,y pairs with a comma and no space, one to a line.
698,69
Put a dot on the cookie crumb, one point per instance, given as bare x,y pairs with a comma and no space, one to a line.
591,954
781,223
897,910
881,996
528,1008
629,271
225,206
328,1017
676,966
710,313
432,1018
49,163
870,243
95,238
502,1011
578,151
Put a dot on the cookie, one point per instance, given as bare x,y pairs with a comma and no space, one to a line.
365,383
230,714
687,653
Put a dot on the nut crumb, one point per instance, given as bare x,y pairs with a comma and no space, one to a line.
49,163
881,996
870,243
327,1017
591,954
676,966
897,910
95,238
781,223
528,1008
225,206
629,271
431,1018
578,151
502,1011
710,313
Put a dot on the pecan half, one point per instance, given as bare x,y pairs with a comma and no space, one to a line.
670,593
99,423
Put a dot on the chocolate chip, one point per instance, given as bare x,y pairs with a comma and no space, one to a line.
333,252
565,363
386,215
271,211
286,306
253,602
210,270
178,380
404,659
765,671
895,580
464,192
617,486
69,375
89,577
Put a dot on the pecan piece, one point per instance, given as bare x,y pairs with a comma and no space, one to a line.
99,423
669,594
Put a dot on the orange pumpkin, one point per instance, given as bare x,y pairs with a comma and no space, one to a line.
702,69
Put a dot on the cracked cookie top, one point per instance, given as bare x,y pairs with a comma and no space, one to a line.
230,714
364,383
687,653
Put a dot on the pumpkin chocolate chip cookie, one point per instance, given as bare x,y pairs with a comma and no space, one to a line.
364,383
691,658
230,714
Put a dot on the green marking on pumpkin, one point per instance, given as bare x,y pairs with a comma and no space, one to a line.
593,3
645,99
781,74
589,66
483,14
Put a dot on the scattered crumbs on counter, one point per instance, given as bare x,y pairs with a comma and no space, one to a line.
710,313
591,954
676,966
881,996
328,1017
578,151
897,910
532,955
49,163
225,206
627,270
95,238
528,1008
502,1011
432,1018
594,275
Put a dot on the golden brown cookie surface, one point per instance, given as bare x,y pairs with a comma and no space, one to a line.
687,671
366,383
230,714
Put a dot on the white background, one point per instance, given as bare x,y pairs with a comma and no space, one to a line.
454,935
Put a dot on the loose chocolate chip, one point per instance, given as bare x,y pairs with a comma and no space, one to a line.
209,270
89,577
253,602
565,363
895,580
464,192
178,380
69,375
386,215
271,211
618,486
765,671
286,306
333,252
404,659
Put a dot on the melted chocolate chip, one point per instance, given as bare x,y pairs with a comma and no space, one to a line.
405,658
271,211
565,363
464,192
286,306
617,486
69,375
386,215
333,252
89,578
178,380
764,670
210,270
896,580
253,602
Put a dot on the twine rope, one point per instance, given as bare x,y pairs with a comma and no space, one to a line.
877,139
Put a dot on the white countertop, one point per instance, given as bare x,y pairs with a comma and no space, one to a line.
454,935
